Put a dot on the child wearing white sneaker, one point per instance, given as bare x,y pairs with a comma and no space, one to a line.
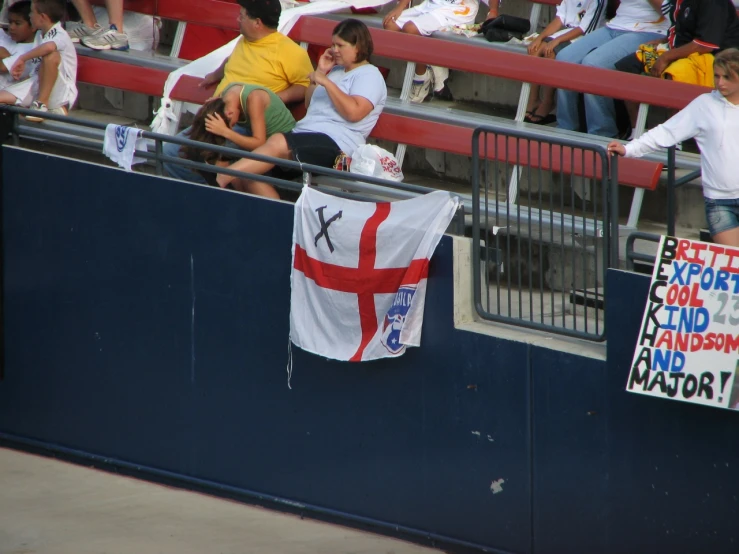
18,40
51,87
92,35
424,19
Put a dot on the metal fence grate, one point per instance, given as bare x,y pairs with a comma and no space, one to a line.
545,230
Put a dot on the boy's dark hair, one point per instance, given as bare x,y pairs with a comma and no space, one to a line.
22,8
53,9
357,34
267,10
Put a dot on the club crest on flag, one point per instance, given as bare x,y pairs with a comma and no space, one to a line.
394,320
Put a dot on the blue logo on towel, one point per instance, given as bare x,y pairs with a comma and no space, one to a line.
395,319
121,137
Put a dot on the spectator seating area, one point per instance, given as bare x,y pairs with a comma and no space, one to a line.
401,122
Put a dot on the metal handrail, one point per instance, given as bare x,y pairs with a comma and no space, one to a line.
673,184
159,138
357,187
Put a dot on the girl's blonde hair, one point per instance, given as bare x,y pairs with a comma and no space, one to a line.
728,60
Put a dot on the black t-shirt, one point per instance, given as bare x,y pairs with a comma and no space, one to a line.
710,23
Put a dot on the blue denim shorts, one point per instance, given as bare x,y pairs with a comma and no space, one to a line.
722,214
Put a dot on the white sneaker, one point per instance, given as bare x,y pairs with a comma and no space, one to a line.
42,109
420,88
441,74
106,39
77,30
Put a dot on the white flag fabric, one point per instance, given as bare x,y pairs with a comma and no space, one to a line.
359,272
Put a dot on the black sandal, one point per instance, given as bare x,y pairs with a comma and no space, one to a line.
540,119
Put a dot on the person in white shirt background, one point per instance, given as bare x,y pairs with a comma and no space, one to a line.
636,22
51,86
424,19
16,41
712,120
574,19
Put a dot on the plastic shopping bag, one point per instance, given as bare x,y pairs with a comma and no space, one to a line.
374,161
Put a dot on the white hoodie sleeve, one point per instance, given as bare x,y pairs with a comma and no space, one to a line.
682,126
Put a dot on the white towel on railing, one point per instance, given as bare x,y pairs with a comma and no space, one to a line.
121,143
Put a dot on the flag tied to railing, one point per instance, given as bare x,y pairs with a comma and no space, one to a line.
359,272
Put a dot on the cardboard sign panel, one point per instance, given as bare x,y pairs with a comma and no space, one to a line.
688,344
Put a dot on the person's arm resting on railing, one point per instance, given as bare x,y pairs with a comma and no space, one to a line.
683,125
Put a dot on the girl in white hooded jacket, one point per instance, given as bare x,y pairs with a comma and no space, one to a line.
713,120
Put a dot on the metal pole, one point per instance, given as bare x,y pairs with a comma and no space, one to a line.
671,191
159,148
16,135
613,219
476,285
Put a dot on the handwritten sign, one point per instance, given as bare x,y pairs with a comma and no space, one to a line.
688,345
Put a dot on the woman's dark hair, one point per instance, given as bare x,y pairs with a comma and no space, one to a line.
357,34
197,132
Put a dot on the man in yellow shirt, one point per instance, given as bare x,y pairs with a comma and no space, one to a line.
262,56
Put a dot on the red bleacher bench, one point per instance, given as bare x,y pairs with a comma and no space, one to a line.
445,137
433,135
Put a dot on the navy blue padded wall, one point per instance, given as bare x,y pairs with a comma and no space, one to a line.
103,272
673,465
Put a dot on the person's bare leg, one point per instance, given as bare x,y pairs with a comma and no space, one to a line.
85,10
391,26
533,102
47,75
115,13
7,98
276,147
727,238
260,189
632,108
411,29
547,101
257,188
534,99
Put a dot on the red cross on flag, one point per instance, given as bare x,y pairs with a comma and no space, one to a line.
359,272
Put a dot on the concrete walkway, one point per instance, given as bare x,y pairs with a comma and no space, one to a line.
52,507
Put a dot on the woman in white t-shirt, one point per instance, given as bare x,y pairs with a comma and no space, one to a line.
344,101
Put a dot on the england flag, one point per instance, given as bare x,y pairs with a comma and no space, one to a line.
359,272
